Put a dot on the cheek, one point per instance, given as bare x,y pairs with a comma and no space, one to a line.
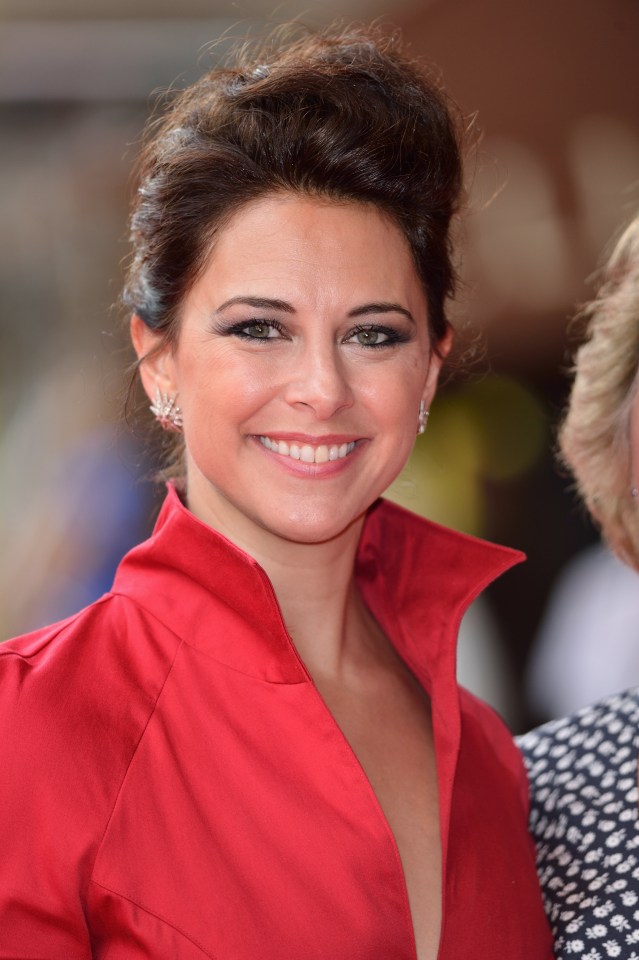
223,387
395,395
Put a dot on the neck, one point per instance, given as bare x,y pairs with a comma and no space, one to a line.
315,586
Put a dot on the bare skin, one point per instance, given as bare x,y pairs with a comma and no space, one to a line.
380,708
386,719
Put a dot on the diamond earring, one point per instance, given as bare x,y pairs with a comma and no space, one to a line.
166,411
423,417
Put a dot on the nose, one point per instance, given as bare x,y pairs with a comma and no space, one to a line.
320,382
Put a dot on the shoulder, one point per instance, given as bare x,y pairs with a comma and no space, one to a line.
75,700
113,621
584,767
583,781
81,688
111,642
590,741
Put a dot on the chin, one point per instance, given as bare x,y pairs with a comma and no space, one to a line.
315,526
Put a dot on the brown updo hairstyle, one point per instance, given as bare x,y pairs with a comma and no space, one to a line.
342,114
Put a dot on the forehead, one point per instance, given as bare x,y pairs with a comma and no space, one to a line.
318,248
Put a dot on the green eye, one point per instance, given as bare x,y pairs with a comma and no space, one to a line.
368,337
260,331
373,336
255,330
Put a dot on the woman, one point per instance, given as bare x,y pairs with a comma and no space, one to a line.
583,768
255,744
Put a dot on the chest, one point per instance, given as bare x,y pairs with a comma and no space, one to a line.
390,732
246,826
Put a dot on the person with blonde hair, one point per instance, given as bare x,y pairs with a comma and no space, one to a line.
600,435
583,768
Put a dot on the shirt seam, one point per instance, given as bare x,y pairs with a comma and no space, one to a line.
158,916
132,757
141,606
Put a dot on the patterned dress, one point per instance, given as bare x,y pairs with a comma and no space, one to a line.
583,782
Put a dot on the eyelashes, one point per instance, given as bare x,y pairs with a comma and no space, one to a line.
371,336
374,336
261,330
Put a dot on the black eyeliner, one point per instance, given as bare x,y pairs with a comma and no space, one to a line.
238,328
393,336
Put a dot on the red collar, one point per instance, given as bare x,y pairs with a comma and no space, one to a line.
417,578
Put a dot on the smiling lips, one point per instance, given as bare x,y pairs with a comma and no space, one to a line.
324,453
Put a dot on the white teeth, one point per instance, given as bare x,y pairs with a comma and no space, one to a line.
306,453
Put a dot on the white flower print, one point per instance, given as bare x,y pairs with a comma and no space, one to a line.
612,948
584,820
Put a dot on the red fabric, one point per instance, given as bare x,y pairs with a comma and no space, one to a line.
172,786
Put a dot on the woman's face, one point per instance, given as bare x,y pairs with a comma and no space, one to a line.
302,357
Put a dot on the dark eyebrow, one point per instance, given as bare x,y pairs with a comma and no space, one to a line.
265,303
381,308
261,303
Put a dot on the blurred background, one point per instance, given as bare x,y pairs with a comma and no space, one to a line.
554,88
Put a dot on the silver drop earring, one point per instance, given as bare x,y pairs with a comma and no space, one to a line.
634,493
166,411
422,419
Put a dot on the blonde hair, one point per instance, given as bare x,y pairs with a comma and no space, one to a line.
595,436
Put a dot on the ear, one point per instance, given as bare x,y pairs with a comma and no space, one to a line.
156,362
444,347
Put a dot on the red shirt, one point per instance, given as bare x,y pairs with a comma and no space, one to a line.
172,785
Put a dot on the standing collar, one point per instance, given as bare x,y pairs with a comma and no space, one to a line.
416,577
